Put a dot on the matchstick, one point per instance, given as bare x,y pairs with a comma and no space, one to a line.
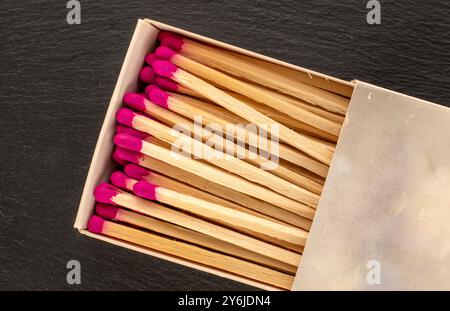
187,235
150,58
169,85
190,108
262,228
183,175
285,119
217,175
262,74
147,75
118,159
216,157
314,109
139,173
322,152
139,102
190,252
107,194
241,87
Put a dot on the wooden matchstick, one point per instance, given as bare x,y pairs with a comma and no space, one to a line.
170,85
261,73
139,173
262,228
218,158
314,109
187,235
210,172
208,185
190,108
106,193
190,252
147,75
170,118
285,119
322,152
241,87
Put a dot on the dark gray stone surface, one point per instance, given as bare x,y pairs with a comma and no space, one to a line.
57,79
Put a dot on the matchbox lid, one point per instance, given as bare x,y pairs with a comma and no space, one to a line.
383,221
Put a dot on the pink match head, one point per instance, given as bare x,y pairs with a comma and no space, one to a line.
128,142
106,211
125,116
166,84
147,75
135,171
104,193
135,100
128,155
122,129
150,87
164,68
159,97
163,52
172,42
164,34
95,224
150,58
119,160
119,179
145,189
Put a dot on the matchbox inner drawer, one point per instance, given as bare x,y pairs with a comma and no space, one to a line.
364,98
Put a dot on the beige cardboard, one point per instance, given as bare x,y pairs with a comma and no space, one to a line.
386,202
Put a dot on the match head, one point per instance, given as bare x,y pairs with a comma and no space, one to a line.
150,58
135,100
147,75
135,171
118,159
128,142
121,129
164,68
163,52
128,155
95,224
125,116
104,193
145,190
172,42
166,84
159,97
148,89
164,34
119,179
106,211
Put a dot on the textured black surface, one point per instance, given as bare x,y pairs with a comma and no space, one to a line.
56,81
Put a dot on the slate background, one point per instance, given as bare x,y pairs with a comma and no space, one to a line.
56,81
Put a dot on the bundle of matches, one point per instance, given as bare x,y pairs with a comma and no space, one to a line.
236,191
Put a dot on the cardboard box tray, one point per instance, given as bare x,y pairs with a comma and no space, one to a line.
385,204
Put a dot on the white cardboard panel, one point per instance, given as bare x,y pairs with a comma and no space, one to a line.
386,198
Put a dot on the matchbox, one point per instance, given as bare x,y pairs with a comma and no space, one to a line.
385,202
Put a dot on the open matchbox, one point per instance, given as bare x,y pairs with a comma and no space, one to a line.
386,200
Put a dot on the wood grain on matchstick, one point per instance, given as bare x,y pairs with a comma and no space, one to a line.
199,255
158,211
191,236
